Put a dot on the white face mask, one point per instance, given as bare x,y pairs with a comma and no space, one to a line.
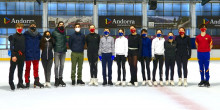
77,29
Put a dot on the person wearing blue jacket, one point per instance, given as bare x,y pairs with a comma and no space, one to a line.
32,54
145,57
76,44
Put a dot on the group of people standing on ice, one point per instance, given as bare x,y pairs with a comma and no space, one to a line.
25,48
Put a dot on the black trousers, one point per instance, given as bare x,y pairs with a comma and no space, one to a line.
20,64
157,58
182,62
93,60
47,64
121,59
145,61
169,64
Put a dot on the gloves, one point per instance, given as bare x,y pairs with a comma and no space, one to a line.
100,58
113,57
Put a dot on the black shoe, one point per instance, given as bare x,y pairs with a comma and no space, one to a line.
61,82
12,86
56,82
28,85
201,83
20,85
80,82
110,83
104,83
73,82
207,84
37,83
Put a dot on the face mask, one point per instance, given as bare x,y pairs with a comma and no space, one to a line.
19,30
92,30
61,27
106,33
170,37
120,34
47,36
158,35
133,30
181,33
33,28
203,29
144,35
77,29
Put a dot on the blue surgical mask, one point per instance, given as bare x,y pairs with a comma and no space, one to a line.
121,34
144,35
106,33
170,37
158,35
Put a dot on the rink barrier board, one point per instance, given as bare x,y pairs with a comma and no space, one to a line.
86,59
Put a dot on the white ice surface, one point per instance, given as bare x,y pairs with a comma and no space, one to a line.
112,98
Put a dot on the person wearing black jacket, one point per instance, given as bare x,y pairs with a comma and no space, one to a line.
46,45
183,53
17,47
134,52
170,53
92,41
76,44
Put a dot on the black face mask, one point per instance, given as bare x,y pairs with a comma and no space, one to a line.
61,27
33,28
47,36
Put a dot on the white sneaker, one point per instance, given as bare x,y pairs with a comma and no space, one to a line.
161,83
123,83
185,82
96,82
118,83
155,83
167,83
136,84
180,82
149,83
91,81
172,83
144,83
130,84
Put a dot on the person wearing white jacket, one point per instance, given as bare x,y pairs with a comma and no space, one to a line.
121,52
158,55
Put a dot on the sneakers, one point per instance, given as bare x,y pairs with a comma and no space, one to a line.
180,82
167,83
155,83
118,83
80,82
161,83
91,81
135,84
149,83
123,83
202,83
172,83
144,83
185,82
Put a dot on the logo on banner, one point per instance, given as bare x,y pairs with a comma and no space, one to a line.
108,21
206,21
6,20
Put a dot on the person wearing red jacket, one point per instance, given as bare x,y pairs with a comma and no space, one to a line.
204,45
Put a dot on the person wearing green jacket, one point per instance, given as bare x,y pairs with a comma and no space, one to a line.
60,50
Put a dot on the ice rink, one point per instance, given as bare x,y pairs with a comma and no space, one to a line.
112,98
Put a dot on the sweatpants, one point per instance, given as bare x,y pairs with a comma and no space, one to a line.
20,64
93,60
28,68
145,61
107,60
59,59
182,62
169,64
77,59
204,59
157,58
47,65
121,59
